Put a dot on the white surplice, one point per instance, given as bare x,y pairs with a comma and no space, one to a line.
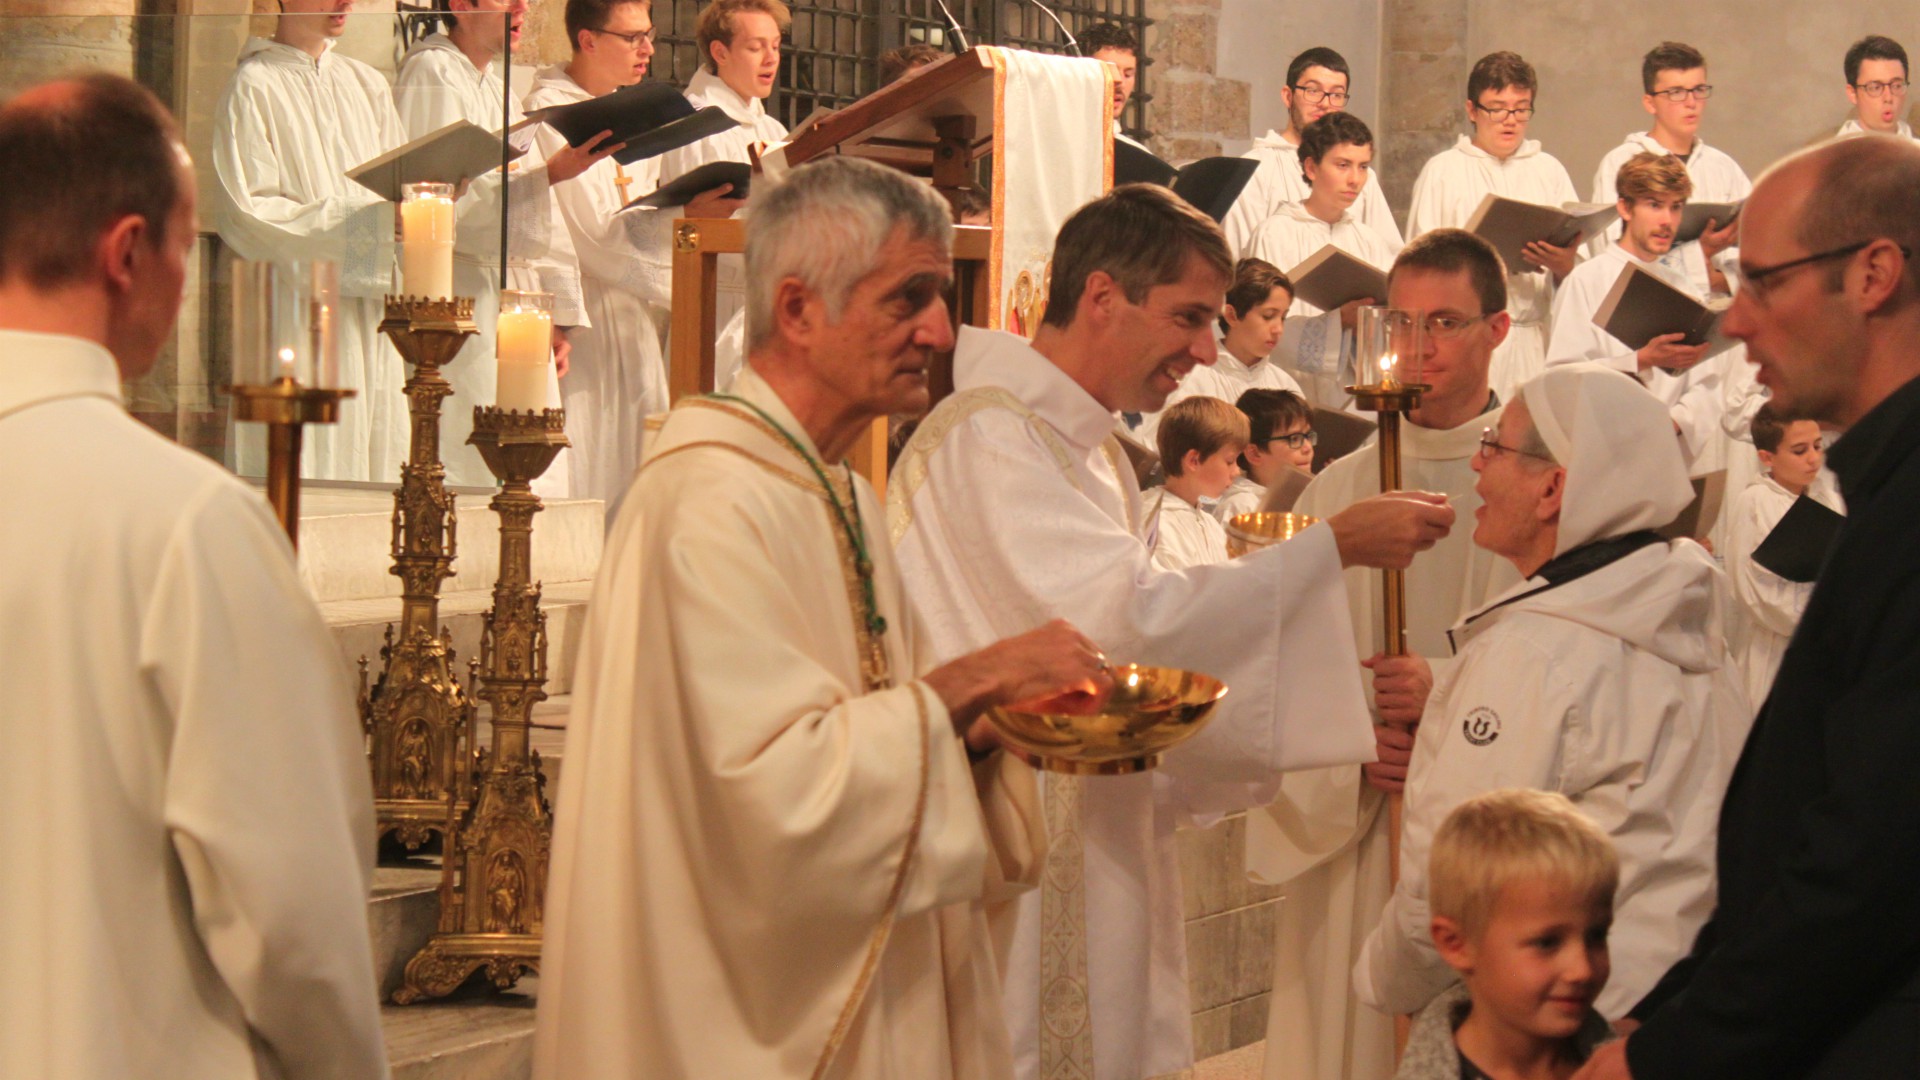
1012,505
1450,188
438,85
1326,838
187,829
1694,397
769,863
1279,180
1717,178
618,373
1226,378
1184,534
1313,348
757,130
1853,127
286,130
1770,603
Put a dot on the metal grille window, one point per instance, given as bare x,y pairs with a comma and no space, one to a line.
831,54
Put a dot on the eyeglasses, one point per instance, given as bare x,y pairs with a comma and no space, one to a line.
633,40
1491,447
1442,327
1498,116
1315,95
1755,279
1896,87
1298,439
1682,93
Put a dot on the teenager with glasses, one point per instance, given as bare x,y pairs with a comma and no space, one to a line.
1877,86
1499,159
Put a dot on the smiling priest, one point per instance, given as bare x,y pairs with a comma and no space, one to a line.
780,821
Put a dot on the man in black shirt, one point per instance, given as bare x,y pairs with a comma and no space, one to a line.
1810,966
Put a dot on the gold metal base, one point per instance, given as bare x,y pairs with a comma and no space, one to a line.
1388,399
1068,767
287,402
450,959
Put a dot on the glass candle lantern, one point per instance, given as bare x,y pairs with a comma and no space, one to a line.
524,342
285,324
1391,349
426,240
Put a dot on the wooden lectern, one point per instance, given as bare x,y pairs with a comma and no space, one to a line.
935,124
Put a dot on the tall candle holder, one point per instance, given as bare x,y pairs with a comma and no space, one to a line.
418,718
493,877
286,366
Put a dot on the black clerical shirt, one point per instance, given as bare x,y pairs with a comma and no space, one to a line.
1810,966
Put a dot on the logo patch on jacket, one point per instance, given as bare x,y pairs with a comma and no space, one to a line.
1481,726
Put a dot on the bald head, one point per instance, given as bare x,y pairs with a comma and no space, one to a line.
1867,188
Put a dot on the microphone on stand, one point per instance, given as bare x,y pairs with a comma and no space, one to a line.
1072,43
953,24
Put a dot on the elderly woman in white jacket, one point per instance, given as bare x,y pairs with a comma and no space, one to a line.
1604,676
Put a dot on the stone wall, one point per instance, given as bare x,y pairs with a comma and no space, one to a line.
1194,112
1230,925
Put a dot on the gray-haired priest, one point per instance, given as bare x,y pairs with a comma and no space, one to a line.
780,821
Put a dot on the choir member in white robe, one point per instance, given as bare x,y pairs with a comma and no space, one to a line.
1877,81
1316,85
1793,455
1251,325
1653,192
1602,676
1200,446
1013,504
295,117
188,830
1499,159
456,75
1316,347
1278,454
773,849
739,59
1111,43
1326,838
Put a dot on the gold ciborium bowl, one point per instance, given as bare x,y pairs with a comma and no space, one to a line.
1150,710
1251,532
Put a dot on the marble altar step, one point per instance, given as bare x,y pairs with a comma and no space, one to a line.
359,626
472,1036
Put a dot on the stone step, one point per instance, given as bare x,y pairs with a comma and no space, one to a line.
359,626
401,914
474,1035
1245,1063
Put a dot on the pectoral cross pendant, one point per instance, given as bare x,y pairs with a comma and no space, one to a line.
622,181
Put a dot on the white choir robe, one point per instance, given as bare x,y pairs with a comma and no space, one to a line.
1770,603
437,86
1013,505
1717,178
1325,839
1243,496
741,812
286,130
1279,180
1693,398
188,828
1184,534
1313,348
757,129
617,376
1853,127
1226,378
1450,188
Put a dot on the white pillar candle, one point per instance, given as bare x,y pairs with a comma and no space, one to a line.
426,241
524,340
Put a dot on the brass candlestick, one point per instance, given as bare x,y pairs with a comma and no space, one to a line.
285,407
493,878
418,718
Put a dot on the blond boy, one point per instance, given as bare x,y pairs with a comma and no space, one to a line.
1200,443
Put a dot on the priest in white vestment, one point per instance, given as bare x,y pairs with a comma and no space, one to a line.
780,820
1878,79
1326,838
295,117
1316,85
1653,193
457,75
187,826
1013,504
1499,159
1602,676
739,44
1316,347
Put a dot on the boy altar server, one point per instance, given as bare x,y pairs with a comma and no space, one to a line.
1316,347
1877,84
1602,676
1326,836
1200,443
1499,159
1316,85
1013,504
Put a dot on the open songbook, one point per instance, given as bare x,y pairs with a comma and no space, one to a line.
650,117
1331,277
1510,225
453,155
1693,220
679,191
1798,545
1642,306
1210,184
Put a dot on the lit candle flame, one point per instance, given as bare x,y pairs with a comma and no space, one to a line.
1387,363
286,363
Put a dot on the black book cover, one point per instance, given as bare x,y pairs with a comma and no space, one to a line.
1212,184
651,117
1797,547
705,178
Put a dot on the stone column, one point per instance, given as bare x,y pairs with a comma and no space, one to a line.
1192,109
1424,66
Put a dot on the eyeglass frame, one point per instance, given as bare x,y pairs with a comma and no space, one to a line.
1677,94
1437,334
1499,116
633,40
1315,95
1294,440
1488,442
1896,86
1756,280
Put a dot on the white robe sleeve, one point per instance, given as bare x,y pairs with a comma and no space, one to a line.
268,800
1256,203
630,251
1379,215
1770,600
1429,210
1576,339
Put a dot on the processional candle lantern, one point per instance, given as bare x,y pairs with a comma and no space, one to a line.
286,364
426,240
524,337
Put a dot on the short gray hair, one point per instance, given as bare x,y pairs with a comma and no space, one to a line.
825,225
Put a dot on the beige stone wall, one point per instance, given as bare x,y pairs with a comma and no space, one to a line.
1424,62
1194,111
1230,924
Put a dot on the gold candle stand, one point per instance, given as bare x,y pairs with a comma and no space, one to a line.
493,877
286,407
418,718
